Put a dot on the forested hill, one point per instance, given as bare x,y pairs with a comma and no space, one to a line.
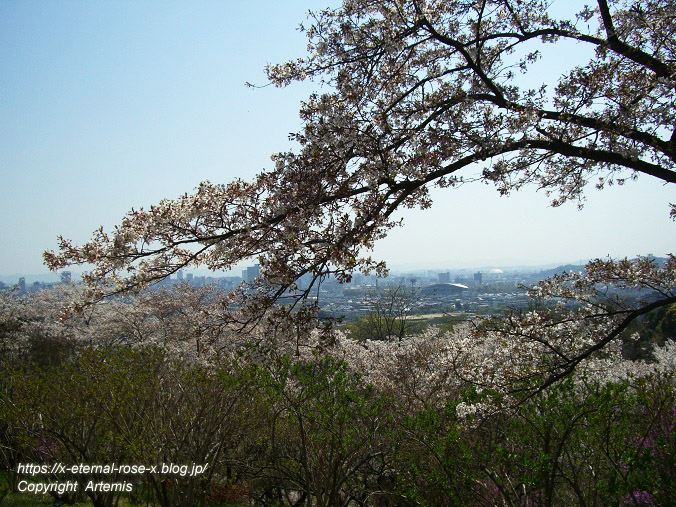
580,267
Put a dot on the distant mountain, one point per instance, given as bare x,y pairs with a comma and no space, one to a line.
580,267
561,269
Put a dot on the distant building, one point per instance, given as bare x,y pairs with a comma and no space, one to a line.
179,274
478,278
189,276
252,272
22,284
443,289
444,277
66,276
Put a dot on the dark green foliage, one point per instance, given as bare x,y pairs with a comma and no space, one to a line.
327,433
376,327
434,464
124,406
286,431
655,328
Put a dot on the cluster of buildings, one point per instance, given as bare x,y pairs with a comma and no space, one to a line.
427,292
22,287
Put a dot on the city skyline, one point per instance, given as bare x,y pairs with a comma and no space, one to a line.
394,272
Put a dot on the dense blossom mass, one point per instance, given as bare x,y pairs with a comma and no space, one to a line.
428,368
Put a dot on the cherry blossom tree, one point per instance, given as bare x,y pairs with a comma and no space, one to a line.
422,93
554,341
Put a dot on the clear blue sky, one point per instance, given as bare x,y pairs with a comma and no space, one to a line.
106,106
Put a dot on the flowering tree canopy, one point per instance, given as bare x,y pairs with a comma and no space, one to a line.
606,298
420,90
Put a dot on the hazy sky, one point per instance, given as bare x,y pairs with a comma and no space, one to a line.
105,106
